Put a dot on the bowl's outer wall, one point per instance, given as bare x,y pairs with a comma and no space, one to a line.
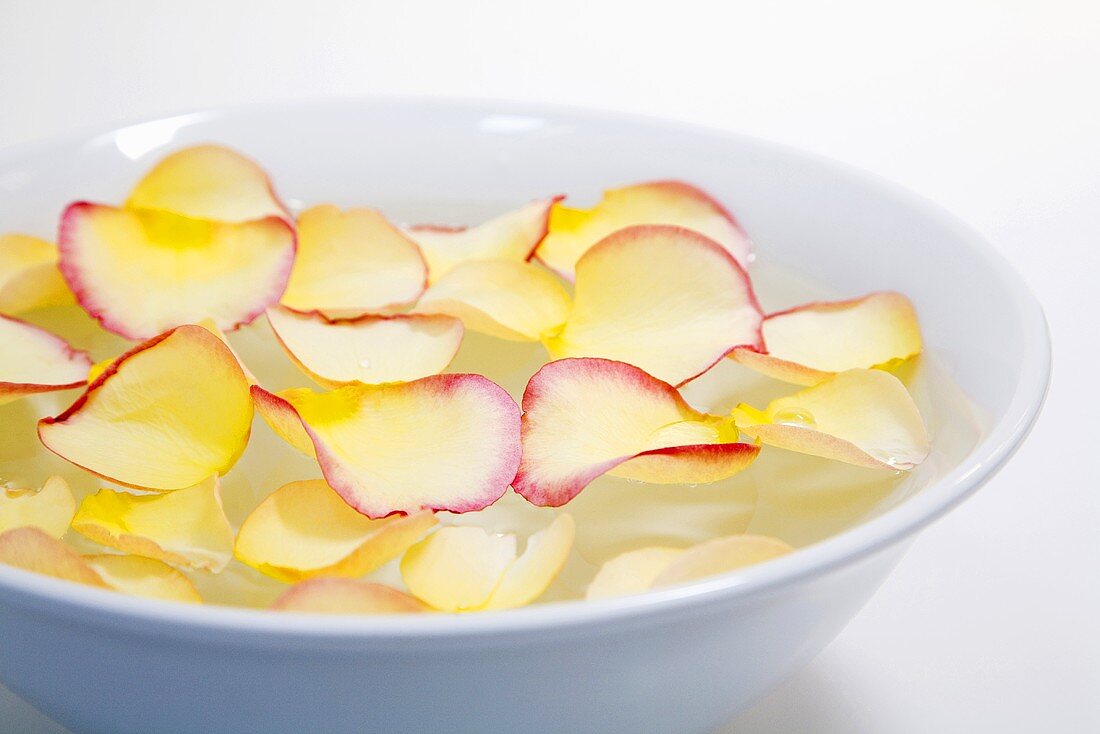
676,674
678,667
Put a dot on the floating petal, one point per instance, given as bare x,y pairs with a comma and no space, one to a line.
304,529
146,577
167,415
446,442
664,299
586,417
371,349
861,417
811,343
574,231
50,509
720,555
29,277
344,596
34,361
352,262
30,549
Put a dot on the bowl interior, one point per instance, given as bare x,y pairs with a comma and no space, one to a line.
840,226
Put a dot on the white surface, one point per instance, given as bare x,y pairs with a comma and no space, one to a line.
991,622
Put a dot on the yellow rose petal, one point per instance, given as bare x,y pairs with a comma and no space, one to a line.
861,417
664,299
29,277
445,442
304,529
208,182
344,596
353,262
720,555
510,300
811,343
632,572
187,527
30,549
139,576
167,415
586,417
49,509
511,236
141,271
456,569
371,349
35,361
541,562
574,231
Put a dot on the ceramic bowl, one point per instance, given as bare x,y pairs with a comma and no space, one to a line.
678,660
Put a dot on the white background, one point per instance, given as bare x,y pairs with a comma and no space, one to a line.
990,107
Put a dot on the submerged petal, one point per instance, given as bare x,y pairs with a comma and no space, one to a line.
344,596
139,576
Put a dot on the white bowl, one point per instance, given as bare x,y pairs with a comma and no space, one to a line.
678,660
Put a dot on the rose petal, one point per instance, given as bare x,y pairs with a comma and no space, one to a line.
632,572
861,417
371,349
34,361
574,231
208,182
511,236
146,577
665,299
30,549
304,529
210,326
541,562
187,527
141,271
586,417
29,277
344,596
446,442
811,343
49,509
511,300
720,555
456,569
166,415
353,262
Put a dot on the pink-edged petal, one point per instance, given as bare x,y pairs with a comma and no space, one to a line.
586,417
809,344
861,417
353,262
142,271
34,361
445,442
166,415
574,231
665,299
518,301
371,349
511,236
208,182
344,596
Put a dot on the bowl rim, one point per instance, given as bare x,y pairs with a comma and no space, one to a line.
73,601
